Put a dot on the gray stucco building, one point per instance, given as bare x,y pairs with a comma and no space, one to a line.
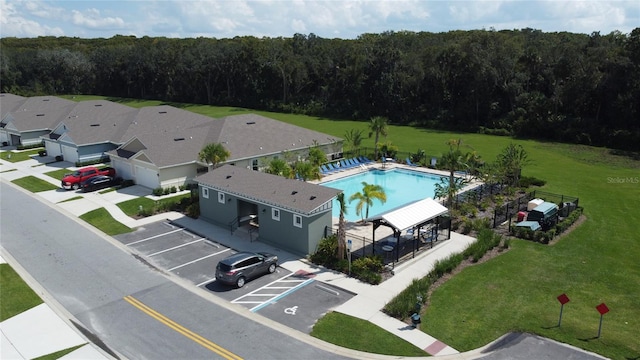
290,214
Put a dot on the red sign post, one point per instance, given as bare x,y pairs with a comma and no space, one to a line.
602,309
563,300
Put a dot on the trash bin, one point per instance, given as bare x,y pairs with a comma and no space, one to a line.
521,216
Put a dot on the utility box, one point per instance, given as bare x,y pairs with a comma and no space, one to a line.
543,212
533,203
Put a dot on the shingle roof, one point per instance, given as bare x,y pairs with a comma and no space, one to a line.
98,121
251,135
41,119
294,195
9,102
35,113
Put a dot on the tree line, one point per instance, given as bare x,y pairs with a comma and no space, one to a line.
561,86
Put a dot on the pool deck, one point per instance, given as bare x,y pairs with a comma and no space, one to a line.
382,233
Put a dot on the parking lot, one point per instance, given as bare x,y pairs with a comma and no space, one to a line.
294,299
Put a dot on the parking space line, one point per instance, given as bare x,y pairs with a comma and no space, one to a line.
175,247
290,291
153,237
196,260
205,282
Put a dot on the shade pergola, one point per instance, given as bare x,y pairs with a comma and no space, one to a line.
411,216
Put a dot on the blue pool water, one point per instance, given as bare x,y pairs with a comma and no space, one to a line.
401,186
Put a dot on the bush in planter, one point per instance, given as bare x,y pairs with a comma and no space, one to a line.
166,191
158,191
368,269
173,189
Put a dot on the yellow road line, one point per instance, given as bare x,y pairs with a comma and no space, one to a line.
182,330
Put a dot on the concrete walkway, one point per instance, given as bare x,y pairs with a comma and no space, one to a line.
367,303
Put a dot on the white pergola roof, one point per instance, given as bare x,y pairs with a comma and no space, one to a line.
408,216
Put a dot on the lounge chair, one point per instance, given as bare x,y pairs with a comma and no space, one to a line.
324,170
344,164
364,160
356,161
408,161
331,168
352,162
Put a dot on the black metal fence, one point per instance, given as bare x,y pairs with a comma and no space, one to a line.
507,211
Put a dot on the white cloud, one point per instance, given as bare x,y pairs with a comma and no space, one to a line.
92,19
14,24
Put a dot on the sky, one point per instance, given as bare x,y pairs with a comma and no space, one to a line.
346,19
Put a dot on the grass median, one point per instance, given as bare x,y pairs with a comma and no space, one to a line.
101,219
34,184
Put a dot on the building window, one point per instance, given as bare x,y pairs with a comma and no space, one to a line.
205,192
254,164
297,221
275,214
221,197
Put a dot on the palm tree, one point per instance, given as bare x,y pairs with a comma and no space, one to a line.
366,197
511,160
214,154
342,235
453,161
279,167
354,139
306,170
316,156
378,125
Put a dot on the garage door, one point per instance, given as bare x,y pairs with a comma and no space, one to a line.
69,154
123,168
147,177
53,149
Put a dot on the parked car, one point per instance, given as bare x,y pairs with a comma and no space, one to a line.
75,179
238,268
99,182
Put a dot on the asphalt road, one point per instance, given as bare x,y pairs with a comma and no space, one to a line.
127,306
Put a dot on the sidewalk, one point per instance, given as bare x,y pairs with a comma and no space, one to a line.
367,303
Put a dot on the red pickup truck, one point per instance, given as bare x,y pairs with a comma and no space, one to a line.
73,180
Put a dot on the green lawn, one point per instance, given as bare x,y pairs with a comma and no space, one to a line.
16,296
19,155
362,335
132,207
101,219
34,184
58,174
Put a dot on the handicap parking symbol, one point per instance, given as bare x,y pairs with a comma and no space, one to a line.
291,310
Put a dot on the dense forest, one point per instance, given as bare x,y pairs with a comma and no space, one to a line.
556,86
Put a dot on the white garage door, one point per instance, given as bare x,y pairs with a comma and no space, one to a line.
53,149
123,169
69,154
147,177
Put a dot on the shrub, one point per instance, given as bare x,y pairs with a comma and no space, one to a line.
482,223
404,304
193,210
173,189
487,240
447,265
528,181
467,225
126,183
326,252
182,187
166,191
368,269
158,191
30,146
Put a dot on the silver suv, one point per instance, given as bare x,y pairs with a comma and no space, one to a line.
240,267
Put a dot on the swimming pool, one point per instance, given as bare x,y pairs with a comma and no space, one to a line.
401,186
